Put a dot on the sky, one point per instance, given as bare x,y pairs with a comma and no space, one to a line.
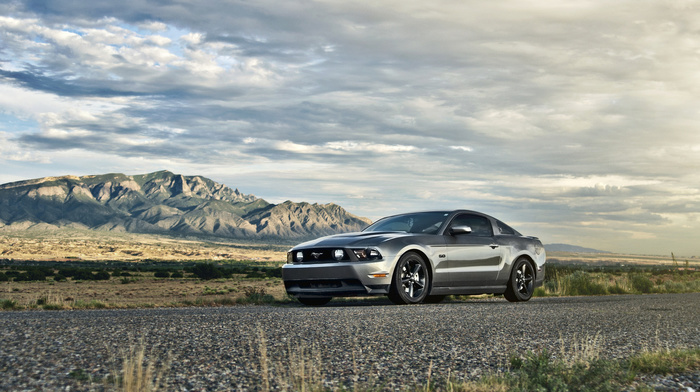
574,121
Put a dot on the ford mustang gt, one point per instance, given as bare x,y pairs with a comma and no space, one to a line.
418,257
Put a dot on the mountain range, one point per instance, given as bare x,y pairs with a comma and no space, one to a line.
571,249
167,203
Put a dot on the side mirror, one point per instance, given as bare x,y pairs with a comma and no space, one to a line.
455,230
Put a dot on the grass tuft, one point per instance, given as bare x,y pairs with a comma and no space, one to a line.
666,361
139,374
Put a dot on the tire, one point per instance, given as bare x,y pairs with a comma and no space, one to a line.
314,301
522,281
411,281
434,299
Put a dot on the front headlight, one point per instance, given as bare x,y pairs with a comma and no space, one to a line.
299,257
367,254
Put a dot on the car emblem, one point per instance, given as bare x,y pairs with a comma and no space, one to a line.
316,255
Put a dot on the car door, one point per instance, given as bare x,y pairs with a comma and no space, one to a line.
473,256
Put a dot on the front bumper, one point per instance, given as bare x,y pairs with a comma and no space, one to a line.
336,279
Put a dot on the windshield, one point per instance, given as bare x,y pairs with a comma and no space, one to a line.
420,222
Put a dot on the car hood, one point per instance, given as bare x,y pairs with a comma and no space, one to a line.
361,239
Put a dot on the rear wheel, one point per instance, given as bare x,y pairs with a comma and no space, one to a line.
522,282
315,301
411,280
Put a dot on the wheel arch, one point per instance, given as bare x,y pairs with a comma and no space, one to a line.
420,252
529,259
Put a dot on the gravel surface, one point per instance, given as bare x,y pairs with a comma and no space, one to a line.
220,348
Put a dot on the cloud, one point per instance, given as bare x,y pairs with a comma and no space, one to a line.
563,117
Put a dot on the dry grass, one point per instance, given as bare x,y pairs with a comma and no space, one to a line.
139,375
671,260
143,291
92,245
584,349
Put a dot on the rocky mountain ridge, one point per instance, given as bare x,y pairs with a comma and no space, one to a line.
164,202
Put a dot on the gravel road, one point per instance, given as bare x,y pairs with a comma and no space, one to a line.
219,348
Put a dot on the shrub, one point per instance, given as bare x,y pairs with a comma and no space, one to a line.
256,296
177,275
101,275
538,372
641,283
207,271
8,304
81,274
617,289
31,275
580,283
162,274
4,277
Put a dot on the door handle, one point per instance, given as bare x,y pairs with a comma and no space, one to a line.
493,246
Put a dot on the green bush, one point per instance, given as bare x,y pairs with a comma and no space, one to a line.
580,283
4,277
256,296
177,275
8,304
101,275
31,275
207,271
162,274
641,283
617,289
59,278
538,372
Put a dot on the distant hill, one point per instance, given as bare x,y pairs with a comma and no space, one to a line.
571,249
163,202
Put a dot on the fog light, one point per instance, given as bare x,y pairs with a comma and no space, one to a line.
299,257
338,254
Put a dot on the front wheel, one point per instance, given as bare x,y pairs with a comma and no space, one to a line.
411,281
522,282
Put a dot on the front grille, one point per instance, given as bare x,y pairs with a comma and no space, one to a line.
320,255
321,284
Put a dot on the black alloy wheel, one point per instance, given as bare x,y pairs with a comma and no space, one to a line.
522,282
411,280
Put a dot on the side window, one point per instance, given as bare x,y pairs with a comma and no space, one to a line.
480,225
504,228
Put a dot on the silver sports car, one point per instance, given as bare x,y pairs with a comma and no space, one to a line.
418,257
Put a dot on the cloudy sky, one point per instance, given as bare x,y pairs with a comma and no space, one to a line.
576,121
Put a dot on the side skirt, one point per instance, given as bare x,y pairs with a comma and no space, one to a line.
468,290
